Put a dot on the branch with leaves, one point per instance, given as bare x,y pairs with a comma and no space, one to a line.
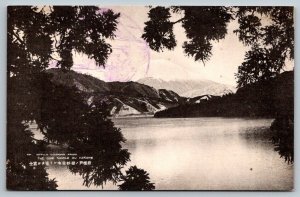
267,30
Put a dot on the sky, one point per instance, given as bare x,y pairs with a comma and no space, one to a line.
132,59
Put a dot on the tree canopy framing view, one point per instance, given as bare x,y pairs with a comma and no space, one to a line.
76,119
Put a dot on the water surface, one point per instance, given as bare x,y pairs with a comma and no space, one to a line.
199,154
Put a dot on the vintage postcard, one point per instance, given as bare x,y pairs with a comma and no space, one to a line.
140,98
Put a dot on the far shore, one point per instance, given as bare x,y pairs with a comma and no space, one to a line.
133,116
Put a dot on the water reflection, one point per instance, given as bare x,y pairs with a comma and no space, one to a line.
283,137
200,154
196,153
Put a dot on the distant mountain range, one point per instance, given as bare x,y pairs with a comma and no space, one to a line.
145,97
271,98
190,88
123,98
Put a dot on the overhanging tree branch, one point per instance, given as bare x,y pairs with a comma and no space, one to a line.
178,21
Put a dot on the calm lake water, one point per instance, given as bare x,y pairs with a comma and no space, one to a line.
198,154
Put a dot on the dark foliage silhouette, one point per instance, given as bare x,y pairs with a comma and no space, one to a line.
202,26
38,36
136,180
271,44
61,109
20,142
283,137
100,140
20,175
60,29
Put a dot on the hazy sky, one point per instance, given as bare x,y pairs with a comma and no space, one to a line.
132,59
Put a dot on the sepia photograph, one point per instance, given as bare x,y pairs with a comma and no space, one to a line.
147,98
